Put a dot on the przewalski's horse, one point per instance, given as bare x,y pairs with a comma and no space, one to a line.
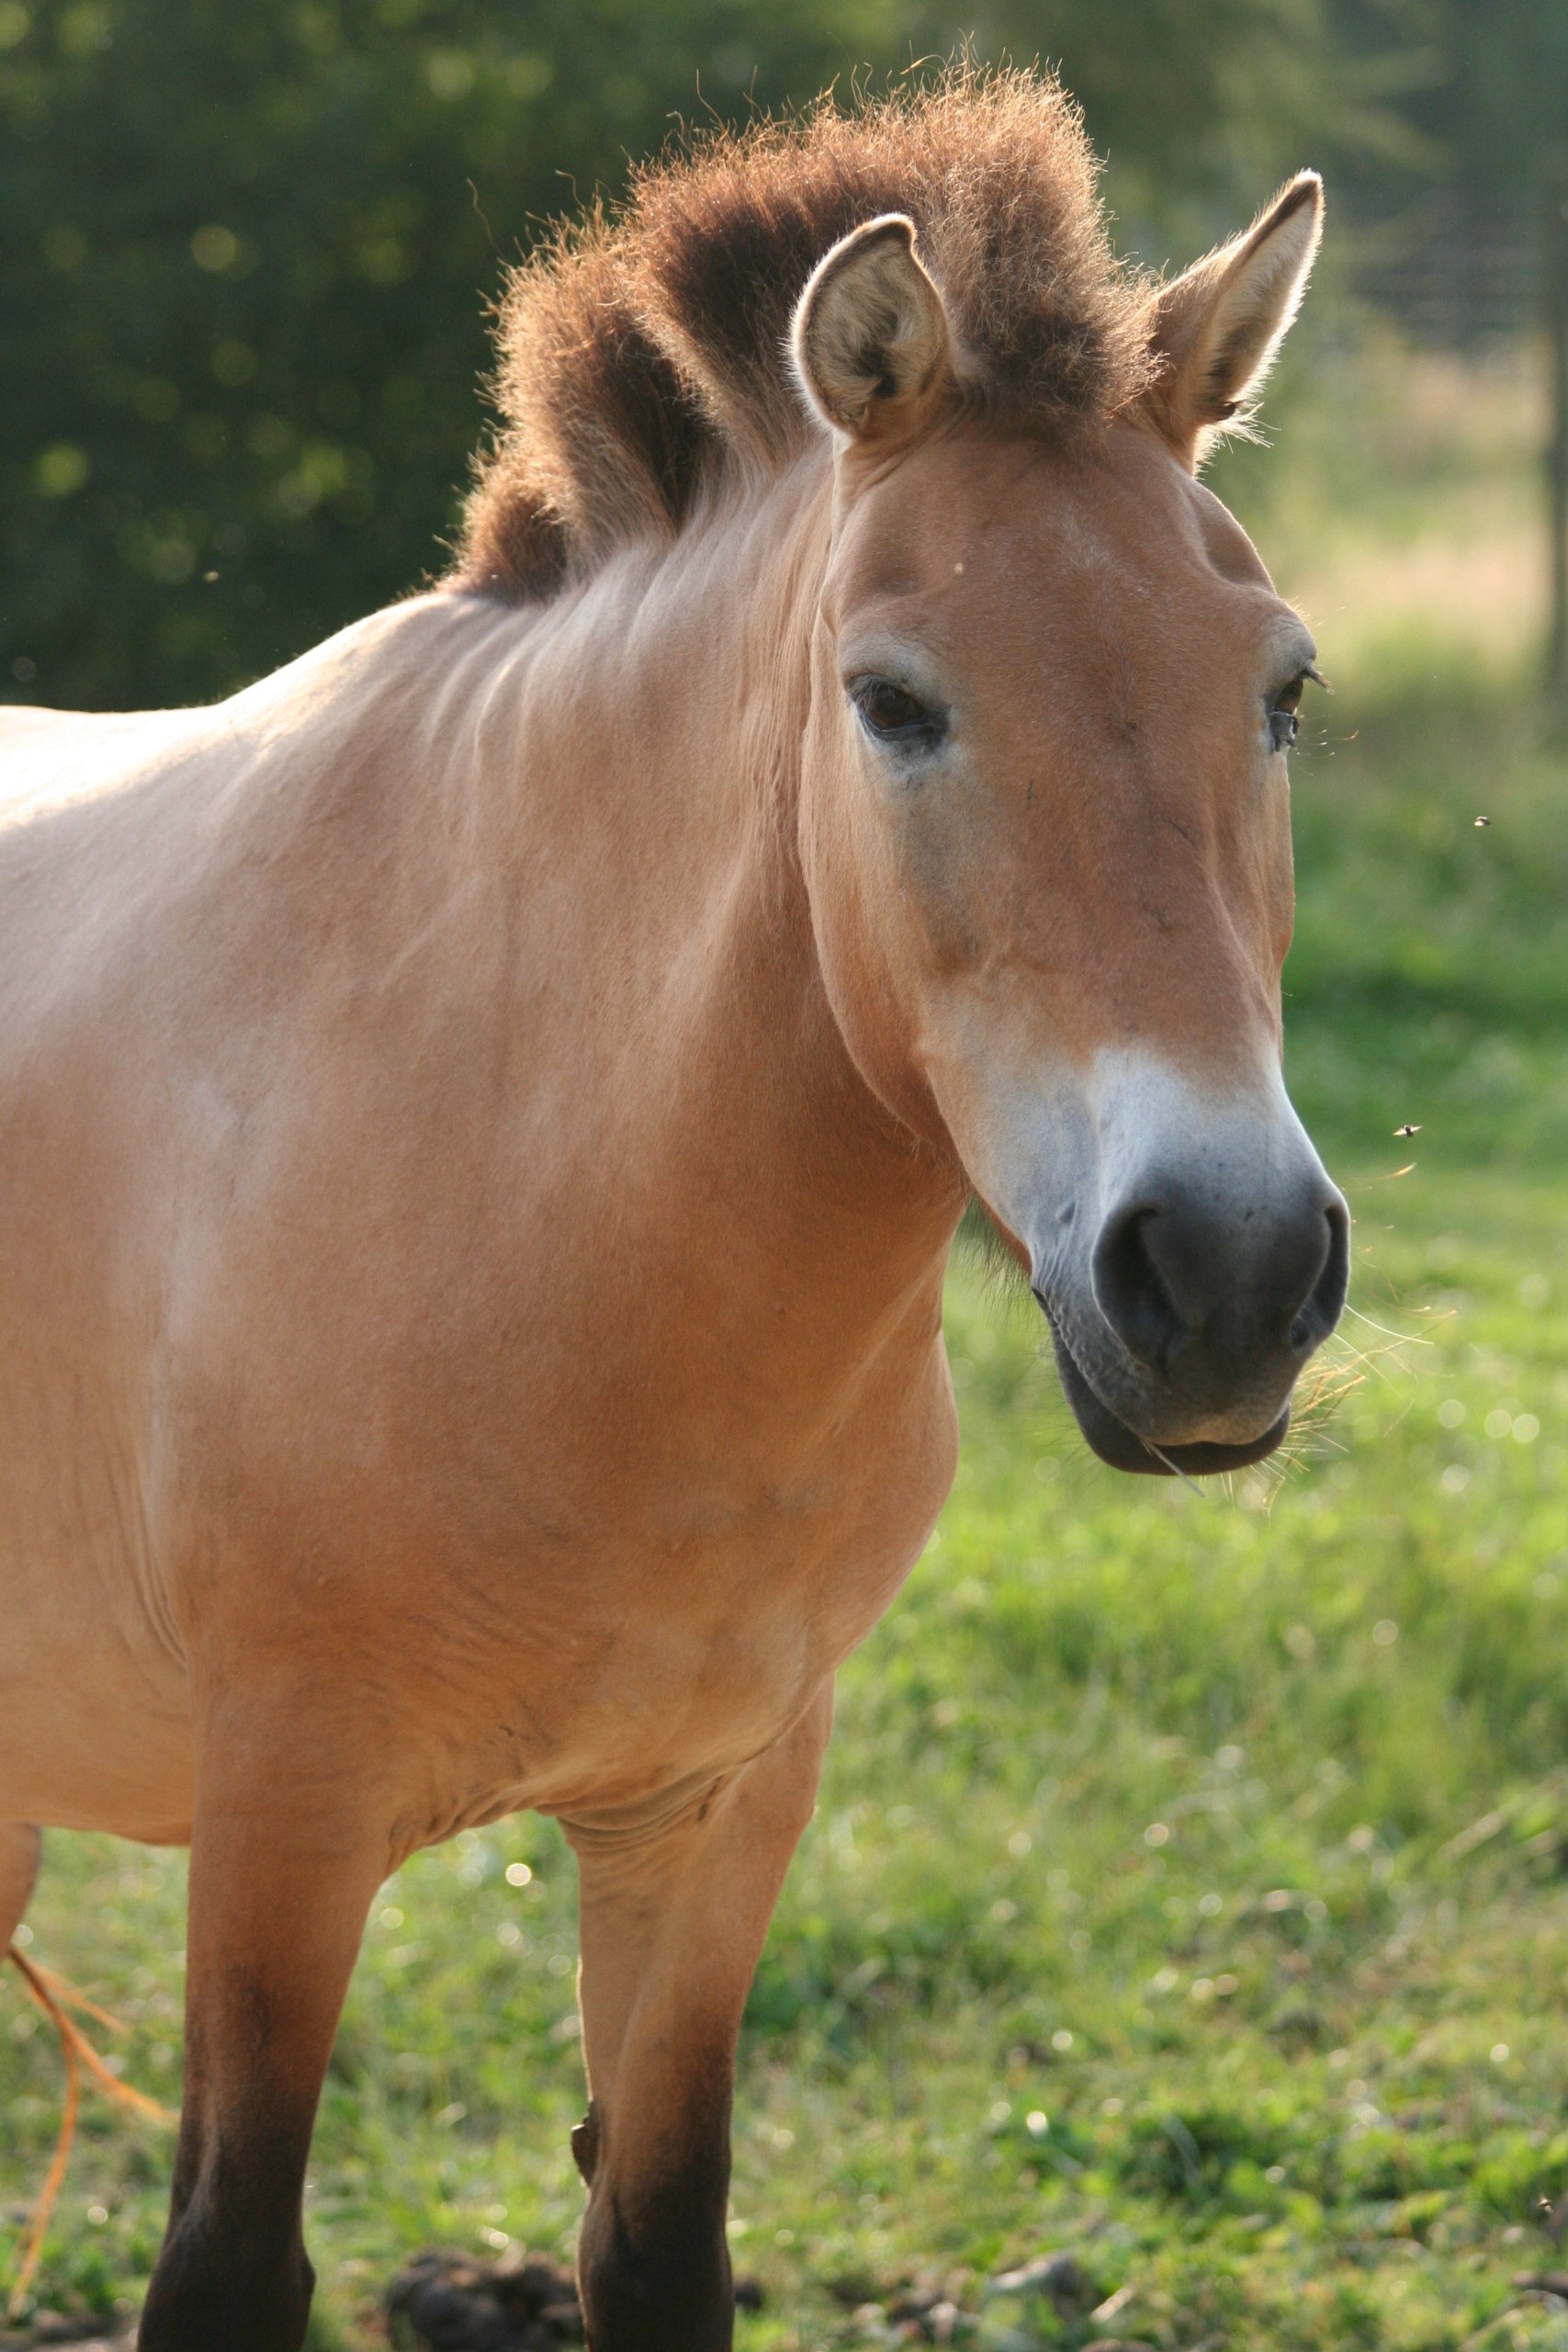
484,1112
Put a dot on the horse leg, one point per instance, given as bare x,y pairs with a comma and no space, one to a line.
19,1844
671,1928
281,1878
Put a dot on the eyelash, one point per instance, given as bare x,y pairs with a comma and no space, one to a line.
1283,727
1282,715
904,722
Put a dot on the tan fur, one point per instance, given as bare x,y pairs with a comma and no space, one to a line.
483,1115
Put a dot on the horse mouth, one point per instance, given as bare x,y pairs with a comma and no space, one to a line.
1109,1436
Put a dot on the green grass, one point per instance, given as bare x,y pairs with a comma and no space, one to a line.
1188,1887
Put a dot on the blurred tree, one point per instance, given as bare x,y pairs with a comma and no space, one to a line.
1467,92
244,255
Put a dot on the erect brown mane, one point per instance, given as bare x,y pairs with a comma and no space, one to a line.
642,355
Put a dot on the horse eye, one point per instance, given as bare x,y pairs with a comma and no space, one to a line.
892,714
1284,725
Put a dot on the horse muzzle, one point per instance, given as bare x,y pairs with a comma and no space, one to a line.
1183,1317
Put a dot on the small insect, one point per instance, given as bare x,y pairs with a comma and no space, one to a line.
1407,1130
1481,821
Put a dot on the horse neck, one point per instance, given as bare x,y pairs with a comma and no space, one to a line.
702,658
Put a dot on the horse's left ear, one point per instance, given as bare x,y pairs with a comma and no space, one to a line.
871,342
1214,331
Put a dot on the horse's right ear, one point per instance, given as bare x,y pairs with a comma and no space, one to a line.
1214,331
871,342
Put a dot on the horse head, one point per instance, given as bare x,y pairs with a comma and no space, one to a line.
1045,830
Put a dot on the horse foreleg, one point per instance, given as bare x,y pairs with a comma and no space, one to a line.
672,1930
280,1883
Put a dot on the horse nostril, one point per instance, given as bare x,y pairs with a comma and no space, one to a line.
1130,1293
1326,1301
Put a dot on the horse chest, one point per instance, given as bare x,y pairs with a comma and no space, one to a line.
666,1627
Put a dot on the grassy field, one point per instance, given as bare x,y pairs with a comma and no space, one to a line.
1187,1889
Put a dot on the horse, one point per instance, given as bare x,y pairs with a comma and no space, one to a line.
485,1111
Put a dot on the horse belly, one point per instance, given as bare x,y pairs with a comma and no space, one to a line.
85,1752
94,1717
95,1731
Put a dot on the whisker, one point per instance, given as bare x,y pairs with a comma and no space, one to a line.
1176,1471
1401,1339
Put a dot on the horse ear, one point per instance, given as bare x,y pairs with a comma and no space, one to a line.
871,342
1214,331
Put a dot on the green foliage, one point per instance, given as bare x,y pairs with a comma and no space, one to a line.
246,253
1479,88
